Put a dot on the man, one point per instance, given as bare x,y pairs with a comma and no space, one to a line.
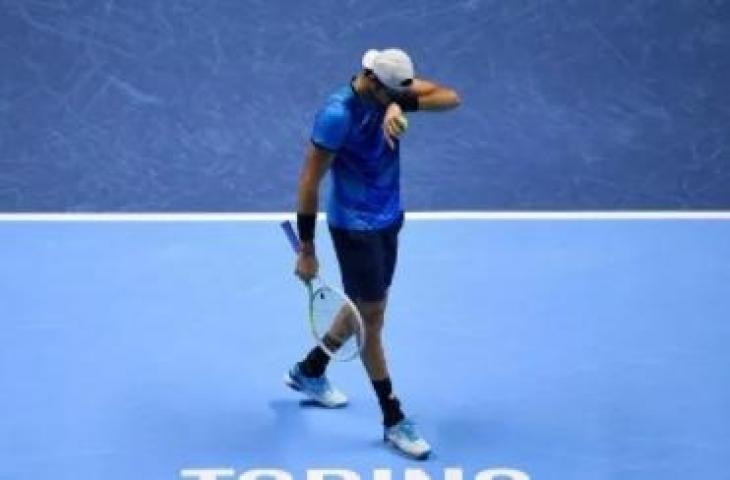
355,135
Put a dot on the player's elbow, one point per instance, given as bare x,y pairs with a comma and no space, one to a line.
454,99
446,99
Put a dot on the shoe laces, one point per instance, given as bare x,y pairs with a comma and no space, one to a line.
318,384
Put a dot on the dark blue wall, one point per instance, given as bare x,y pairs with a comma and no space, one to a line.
206,105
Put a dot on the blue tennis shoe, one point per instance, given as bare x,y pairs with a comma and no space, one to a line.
318,389
404,437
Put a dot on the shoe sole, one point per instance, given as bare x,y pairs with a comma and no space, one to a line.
394,446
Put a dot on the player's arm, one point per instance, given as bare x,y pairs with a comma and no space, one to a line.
421,95
316,164
432,96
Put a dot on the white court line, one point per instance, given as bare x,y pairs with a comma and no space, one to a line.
417,216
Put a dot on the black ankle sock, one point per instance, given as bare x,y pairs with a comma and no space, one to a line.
315,363
389,404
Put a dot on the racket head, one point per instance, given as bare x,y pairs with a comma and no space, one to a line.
335,322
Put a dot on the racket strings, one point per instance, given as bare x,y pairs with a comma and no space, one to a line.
331,342
335,323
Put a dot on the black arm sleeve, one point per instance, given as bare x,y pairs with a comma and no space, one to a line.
408,101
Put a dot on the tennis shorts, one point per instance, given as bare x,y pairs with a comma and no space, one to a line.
367,260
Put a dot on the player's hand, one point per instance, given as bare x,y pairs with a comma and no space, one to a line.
307,265
394,123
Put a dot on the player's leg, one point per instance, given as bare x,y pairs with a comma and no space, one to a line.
366,267
373,357
398,430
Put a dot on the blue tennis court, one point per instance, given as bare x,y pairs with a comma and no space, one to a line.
572,350
573,346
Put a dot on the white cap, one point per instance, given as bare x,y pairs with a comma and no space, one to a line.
393,67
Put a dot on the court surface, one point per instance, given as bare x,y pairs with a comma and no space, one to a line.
570,350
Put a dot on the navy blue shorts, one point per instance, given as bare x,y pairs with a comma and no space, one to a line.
367,260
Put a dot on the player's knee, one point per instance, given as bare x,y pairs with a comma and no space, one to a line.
374,322
373,314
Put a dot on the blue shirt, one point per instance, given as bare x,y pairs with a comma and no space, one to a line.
365,190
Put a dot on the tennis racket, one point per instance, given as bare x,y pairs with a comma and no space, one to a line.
334,320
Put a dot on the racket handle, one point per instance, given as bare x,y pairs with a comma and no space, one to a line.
291,236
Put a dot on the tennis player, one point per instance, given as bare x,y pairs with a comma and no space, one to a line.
356,136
